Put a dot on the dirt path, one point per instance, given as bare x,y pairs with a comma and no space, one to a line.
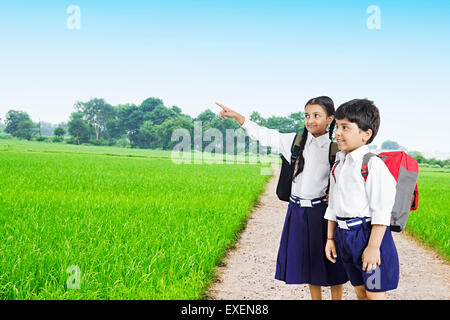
249,269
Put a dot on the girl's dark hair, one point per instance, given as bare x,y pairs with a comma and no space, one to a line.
327,104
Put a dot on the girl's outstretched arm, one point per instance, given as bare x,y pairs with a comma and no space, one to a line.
281,142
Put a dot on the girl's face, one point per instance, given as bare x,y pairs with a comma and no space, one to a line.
316,119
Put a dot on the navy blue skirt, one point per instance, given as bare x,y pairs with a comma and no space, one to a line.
301,256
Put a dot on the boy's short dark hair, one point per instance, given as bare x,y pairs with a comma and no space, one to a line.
363,112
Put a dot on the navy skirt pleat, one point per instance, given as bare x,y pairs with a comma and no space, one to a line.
301,256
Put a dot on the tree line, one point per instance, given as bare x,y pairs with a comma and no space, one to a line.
148,125
432,162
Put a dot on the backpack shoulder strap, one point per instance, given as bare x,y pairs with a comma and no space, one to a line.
332,152
295,147
365,162
333,169
296,142
331,159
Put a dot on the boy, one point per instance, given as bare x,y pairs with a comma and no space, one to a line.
361,210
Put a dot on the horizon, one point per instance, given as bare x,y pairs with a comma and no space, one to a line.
437,154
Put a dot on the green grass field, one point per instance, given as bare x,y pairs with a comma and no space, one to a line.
12,144
137,228
135,224
430,224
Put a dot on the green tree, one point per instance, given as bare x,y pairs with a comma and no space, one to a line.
25,129
206,116
114,129
390,145
59,132
97,112
12,120
257,118
165,130
297,122
147,136
420,158
78,127
176,109
130,120
149,104
281,124
159,114
434,161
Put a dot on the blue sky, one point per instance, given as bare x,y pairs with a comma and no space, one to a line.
266,56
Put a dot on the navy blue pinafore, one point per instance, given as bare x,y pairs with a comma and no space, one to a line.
301,255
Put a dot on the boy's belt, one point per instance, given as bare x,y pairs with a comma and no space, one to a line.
352,224
307,202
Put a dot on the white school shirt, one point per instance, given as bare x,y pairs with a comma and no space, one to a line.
312,182
351,196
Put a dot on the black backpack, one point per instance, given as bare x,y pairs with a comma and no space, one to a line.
287,169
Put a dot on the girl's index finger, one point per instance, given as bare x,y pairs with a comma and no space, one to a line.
222,106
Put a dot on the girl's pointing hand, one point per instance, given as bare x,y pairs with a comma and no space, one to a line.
229,113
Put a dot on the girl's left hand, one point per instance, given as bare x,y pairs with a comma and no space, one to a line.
371,258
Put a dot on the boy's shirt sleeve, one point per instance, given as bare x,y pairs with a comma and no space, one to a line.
330,213
380,189
281,142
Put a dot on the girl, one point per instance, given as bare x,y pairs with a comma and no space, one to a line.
301,257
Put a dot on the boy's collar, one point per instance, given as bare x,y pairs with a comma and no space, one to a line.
321,140
356,154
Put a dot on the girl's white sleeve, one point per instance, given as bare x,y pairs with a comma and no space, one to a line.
380,190
281,142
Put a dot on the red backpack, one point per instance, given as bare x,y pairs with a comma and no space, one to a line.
405,170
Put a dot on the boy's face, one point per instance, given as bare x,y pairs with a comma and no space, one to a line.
349,136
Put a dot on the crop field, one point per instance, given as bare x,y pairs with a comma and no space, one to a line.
86,222
96,226
430,224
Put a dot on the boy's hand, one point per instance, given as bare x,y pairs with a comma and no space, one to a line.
330,251
371,255
227,112
371,258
